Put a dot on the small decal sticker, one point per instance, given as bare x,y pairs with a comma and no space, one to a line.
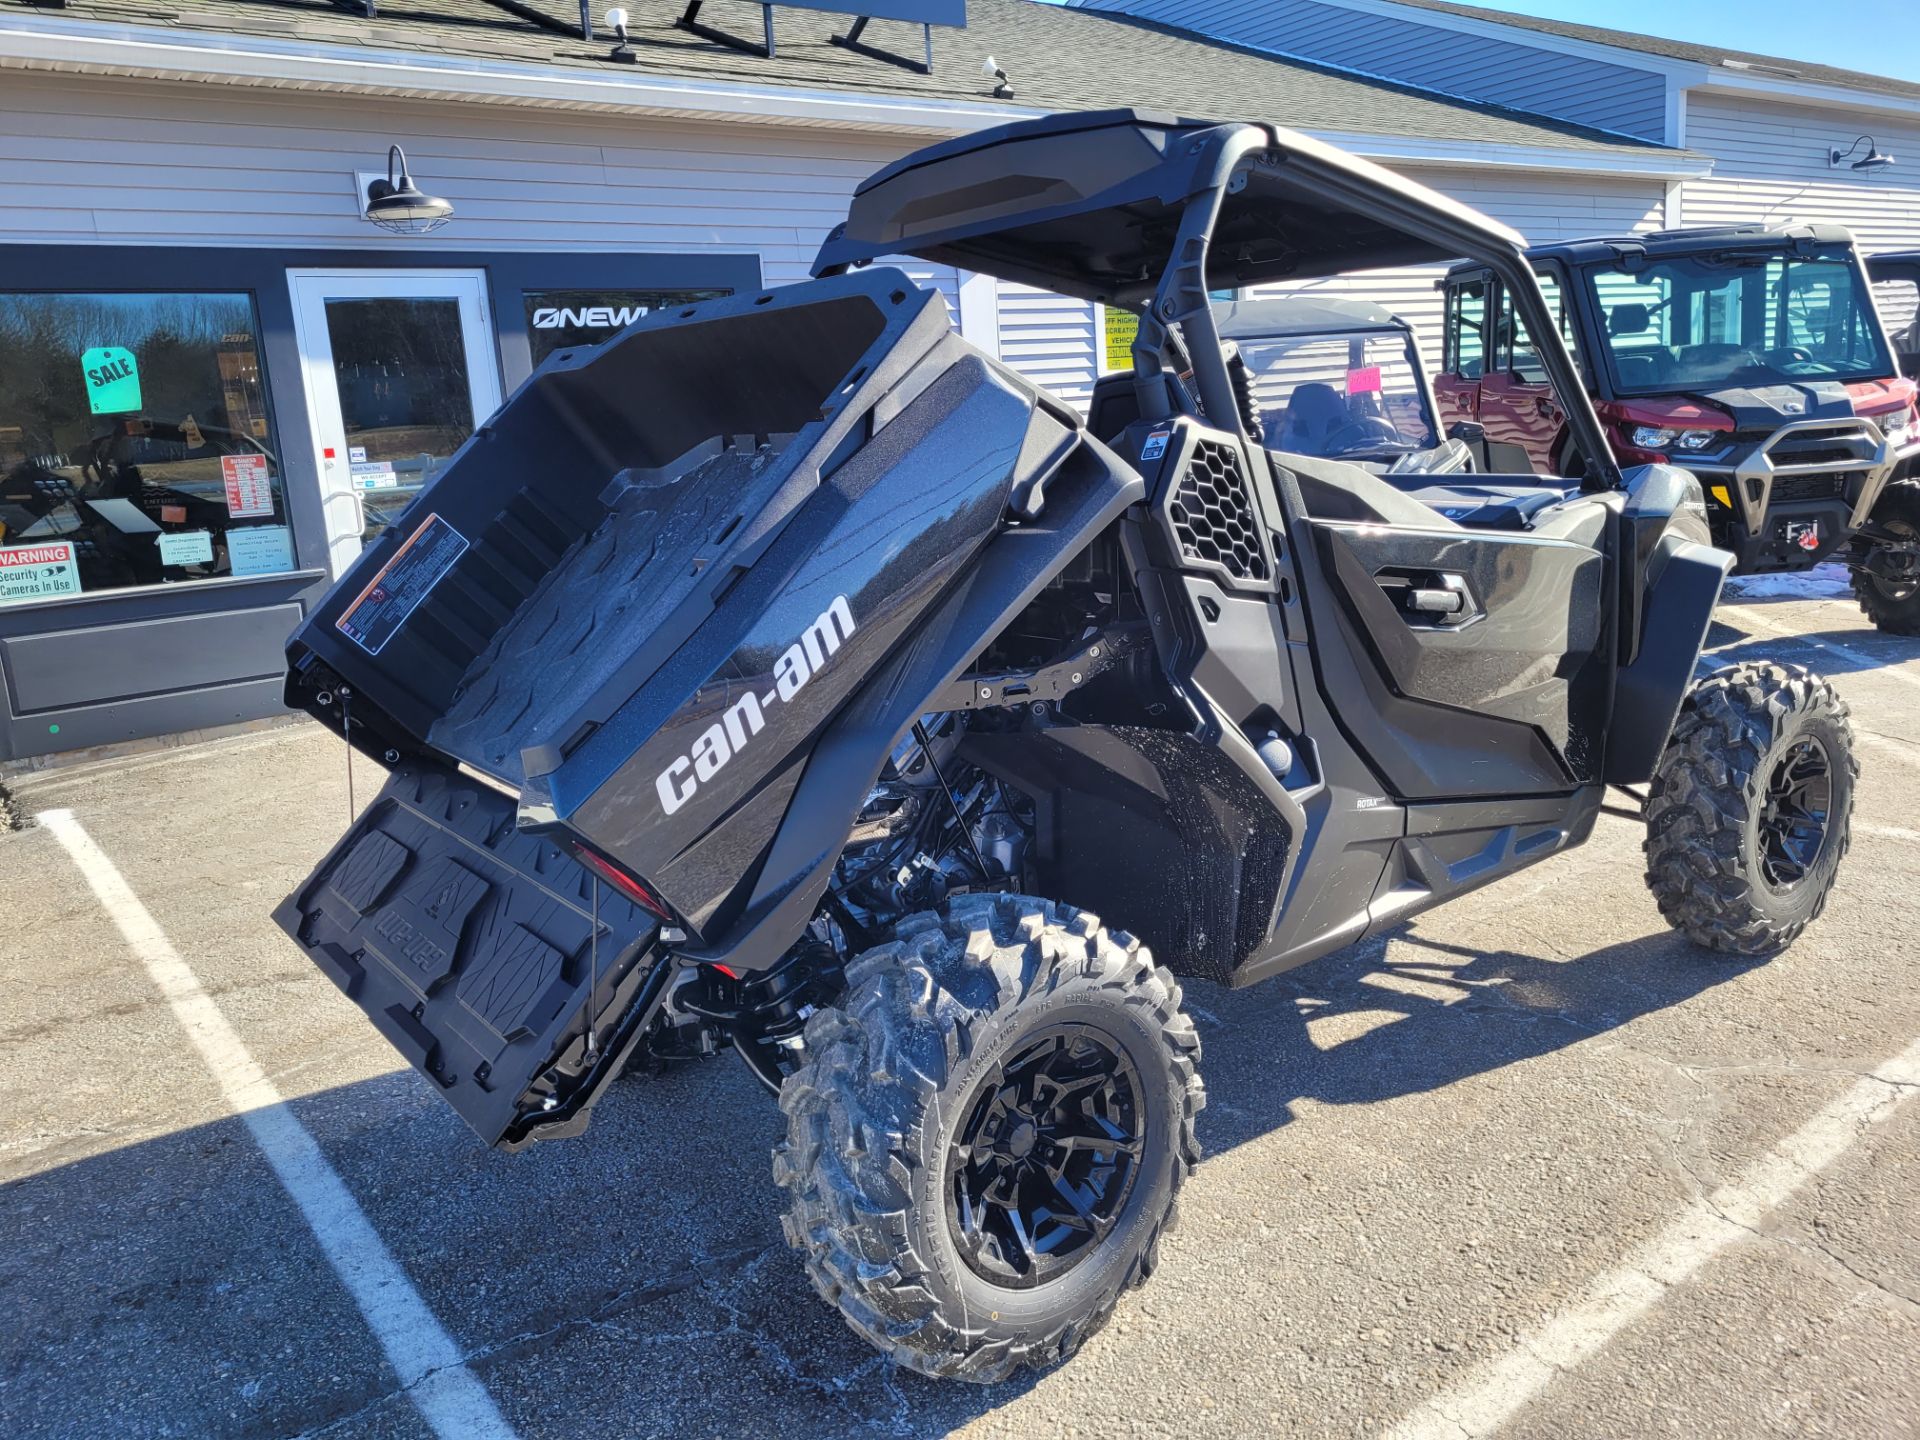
1804,533
403,582
1156,445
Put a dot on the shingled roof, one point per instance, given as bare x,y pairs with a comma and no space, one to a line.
1059,58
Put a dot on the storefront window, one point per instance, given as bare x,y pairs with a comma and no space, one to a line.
136,446
560,319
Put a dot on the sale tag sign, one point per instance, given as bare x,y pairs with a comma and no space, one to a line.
113,380
249,486
1364,381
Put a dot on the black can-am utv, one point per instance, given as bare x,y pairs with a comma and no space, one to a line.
1754,357
788,677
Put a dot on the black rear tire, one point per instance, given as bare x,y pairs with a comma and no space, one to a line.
885,1134
1893,607
1749,813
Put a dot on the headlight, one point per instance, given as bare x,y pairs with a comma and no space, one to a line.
1697,439
1651,437
1899,429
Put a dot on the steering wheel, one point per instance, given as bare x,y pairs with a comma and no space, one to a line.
1358,434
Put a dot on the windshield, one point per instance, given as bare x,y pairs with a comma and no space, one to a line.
1354,397
1707,321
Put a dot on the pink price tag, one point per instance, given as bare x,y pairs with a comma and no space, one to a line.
1364,381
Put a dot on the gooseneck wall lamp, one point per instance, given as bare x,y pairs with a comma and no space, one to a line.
397,204
1872,160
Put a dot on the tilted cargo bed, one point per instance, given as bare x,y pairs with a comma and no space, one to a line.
516,603
612,628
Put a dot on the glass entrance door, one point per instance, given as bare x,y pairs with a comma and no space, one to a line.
399,367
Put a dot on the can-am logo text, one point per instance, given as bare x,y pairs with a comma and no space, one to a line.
747,716
587,317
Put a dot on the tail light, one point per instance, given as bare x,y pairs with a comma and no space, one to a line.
628,885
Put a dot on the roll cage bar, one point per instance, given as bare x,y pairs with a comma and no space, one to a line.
1150,212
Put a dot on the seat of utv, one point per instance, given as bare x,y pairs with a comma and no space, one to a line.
1496,502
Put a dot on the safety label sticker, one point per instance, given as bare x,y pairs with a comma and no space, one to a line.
38,572
1156,443
403,582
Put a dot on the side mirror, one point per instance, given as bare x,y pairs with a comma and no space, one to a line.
1467,432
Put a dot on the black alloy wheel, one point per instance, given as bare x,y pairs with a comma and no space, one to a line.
1044,1162
1793,816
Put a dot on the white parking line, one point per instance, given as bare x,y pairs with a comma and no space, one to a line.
1845,652
420,1350
1492,1393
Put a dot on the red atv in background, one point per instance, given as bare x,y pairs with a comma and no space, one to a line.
1753,357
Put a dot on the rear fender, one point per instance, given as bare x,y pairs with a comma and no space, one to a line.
1086,494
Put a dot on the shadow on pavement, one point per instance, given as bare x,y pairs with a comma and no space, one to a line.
634,1282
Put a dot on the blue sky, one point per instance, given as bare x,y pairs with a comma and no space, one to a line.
1882,36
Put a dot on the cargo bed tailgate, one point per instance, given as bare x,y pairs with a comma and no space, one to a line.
471,945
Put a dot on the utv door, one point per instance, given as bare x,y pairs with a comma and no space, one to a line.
1462,663
1456,389
1524,423
1896,288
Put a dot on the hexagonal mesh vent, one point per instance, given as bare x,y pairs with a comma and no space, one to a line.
1213,515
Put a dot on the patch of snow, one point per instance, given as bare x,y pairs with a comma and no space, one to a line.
1823,582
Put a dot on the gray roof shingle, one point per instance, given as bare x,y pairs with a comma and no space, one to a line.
1059,58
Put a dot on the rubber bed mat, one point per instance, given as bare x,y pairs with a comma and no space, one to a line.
467,942
592,611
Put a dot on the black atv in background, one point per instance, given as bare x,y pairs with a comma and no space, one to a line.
787,677
1753,357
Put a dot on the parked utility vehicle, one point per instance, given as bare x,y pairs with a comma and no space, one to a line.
1340,379
786,676
1753,357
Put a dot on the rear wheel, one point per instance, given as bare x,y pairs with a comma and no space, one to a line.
1748,814
1889,592
986,1138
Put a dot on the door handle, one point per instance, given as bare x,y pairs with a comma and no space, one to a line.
1436,602
1429,597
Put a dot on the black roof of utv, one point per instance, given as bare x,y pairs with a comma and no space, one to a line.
1288,315
1088,205
1151,212
1694,240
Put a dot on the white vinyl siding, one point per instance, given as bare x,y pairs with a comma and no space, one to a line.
1770,167
1050,339
1588,91
106,162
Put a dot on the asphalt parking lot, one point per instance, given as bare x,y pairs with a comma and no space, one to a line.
1531,1165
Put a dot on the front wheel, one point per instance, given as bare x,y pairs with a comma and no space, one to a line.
986,1138
1890,595
1749,811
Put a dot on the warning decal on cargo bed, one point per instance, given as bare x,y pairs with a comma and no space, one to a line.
403,582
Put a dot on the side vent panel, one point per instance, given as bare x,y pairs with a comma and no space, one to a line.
1214,519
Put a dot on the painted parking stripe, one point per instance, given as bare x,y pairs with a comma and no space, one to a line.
1859,658
418,1347
1492,1393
